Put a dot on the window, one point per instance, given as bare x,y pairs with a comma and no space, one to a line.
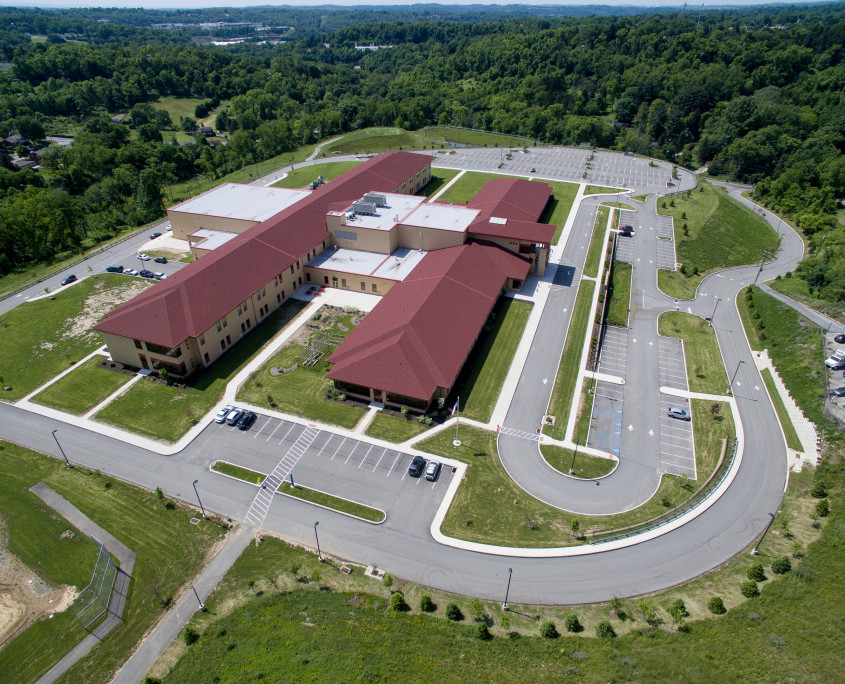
297,265
363,286
243,328
202,339
224,322
300,280
218,326
350,235
325,280
343,283
228,340
517,284
375,288
239,309
222,345
138,344
205,356
308,277
248,325
278,299
291,269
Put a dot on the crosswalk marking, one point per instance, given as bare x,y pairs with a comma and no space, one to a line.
519,433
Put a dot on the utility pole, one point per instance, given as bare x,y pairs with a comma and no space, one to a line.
756,548
762,261
68,463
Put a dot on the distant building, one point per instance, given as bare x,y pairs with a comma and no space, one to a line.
205,131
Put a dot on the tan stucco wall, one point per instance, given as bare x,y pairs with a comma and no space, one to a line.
368,240
183,223
409,236
353,281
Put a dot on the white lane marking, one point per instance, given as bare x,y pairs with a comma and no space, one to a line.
398,456
379,460
351,452
281,441
281,422
263,426
366,455
338,449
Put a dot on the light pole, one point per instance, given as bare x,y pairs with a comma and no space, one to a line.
733,377
319,555
507,591
572,467
755,551
204,516
202,605
713,315
69,464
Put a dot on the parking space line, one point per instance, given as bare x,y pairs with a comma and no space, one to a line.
281,422
338,449
351,452
269,418
379,460
331,437
293,425
398,456
366,455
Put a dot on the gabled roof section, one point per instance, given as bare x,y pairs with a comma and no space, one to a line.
512,198
540,233
193,299
411,343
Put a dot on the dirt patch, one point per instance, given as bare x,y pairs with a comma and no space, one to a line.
25,597
98,304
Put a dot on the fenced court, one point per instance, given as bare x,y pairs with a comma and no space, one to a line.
94,599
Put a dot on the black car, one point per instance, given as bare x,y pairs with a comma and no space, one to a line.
624,232
160,260
70,279
146,274
153,236
839,339
416,467
246,420
114,269
838,392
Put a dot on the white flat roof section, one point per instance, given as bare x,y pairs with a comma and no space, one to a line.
210,239
396,266
441,217
243,202
398,207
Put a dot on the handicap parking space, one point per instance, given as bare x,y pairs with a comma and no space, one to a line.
666,258
605,431
671,364
614,352
677,450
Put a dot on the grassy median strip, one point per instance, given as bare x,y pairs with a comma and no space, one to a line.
583,465
620,294
83,388
585,411
488,363
792,440
601,190
236,471
333,502
705,368
394,429
712,422
594,251
570,360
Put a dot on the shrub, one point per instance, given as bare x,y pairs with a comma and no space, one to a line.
749,588
755,572
453,612
678,610
649,610
548,630
505,621
822,508
387,580
572,623
819,491
397,602
781,566
426,604
481,632
716,606
604,630
476,609
190,635
159,493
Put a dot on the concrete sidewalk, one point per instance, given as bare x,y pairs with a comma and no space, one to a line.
125,556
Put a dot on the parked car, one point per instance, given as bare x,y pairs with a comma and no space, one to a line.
838,392
143,257
114,269
160,260
416,467
835,359
533,170
626,231
246,420
130,271
159,275
839,365
69,279
234,416
223,413
144,273
679,413
839,339
432,470
153,236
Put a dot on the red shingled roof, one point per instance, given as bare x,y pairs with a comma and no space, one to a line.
541,233
198,295
418,336
512,198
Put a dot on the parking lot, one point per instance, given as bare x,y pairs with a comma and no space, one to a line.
666,258
614,352
677,452
671,365
606,418
625,245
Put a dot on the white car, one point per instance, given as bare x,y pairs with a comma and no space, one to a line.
143,257
222,413
159,276
130,271
432,470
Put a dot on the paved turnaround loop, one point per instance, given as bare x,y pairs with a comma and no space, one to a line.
404,544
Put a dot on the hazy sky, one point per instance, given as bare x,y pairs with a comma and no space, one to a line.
175,4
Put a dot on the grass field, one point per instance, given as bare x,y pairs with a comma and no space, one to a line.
169,551
371,140
567,372
620,294
439,178
301,392
675,284
705,368
304,175
40,339
792,440
166,413
582,465
560,203
467,186
178,107
82,389
334,502
237,471
594,251
709,429
602,190
393,429
797,288
444,134
721,233
480,383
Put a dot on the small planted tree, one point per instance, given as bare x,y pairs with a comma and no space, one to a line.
505,621
716,606
482,632
387,580
604,630
476,610
397,602
548,630
426,604
678,611
755,572
454,613
819,491
649,610
575,526
749,589
822,508
572,623
781,566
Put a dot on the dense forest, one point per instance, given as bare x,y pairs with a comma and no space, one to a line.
757,93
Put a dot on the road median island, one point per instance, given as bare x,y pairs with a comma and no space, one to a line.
620,294
704,364
580,465
591,264
792,439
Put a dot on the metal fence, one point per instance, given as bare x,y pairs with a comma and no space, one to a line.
94,599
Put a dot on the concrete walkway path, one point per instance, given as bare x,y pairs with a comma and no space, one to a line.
168,629
126,558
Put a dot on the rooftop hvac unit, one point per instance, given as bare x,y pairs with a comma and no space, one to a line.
375,198
364,208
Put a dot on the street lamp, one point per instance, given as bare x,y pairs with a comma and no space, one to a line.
713,315
733,377
69,464
204,516
319,555
572,467
507,591
755,551
202,605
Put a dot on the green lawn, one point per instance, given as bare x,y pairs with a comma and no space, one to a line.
393,429
466,187
170,551
721,233
178,107
567,372
792,440
301,392
620,294
583,465
585,411
40,339
602,190
594,251
165,412
796,287
372,140
304,175
83,388
675,284
480,382
709,429
641,198
439,178
237,471
557,210
334,502
705,368
444,134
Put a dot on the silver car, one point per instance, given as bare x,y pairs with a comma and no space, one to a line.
222,413
432,470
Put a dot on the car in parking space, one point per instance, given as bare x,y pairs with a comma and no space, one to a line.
223,413
626,231
835,359
533,170
432,470
69,279
679,413
416,467
838,392
144,273
839,339
159,275
143,257
246,420
839,365
234,416
114,269
160,260
130,271
153,236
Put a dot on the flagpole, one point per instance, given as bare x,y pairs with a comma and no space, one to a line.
457,441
